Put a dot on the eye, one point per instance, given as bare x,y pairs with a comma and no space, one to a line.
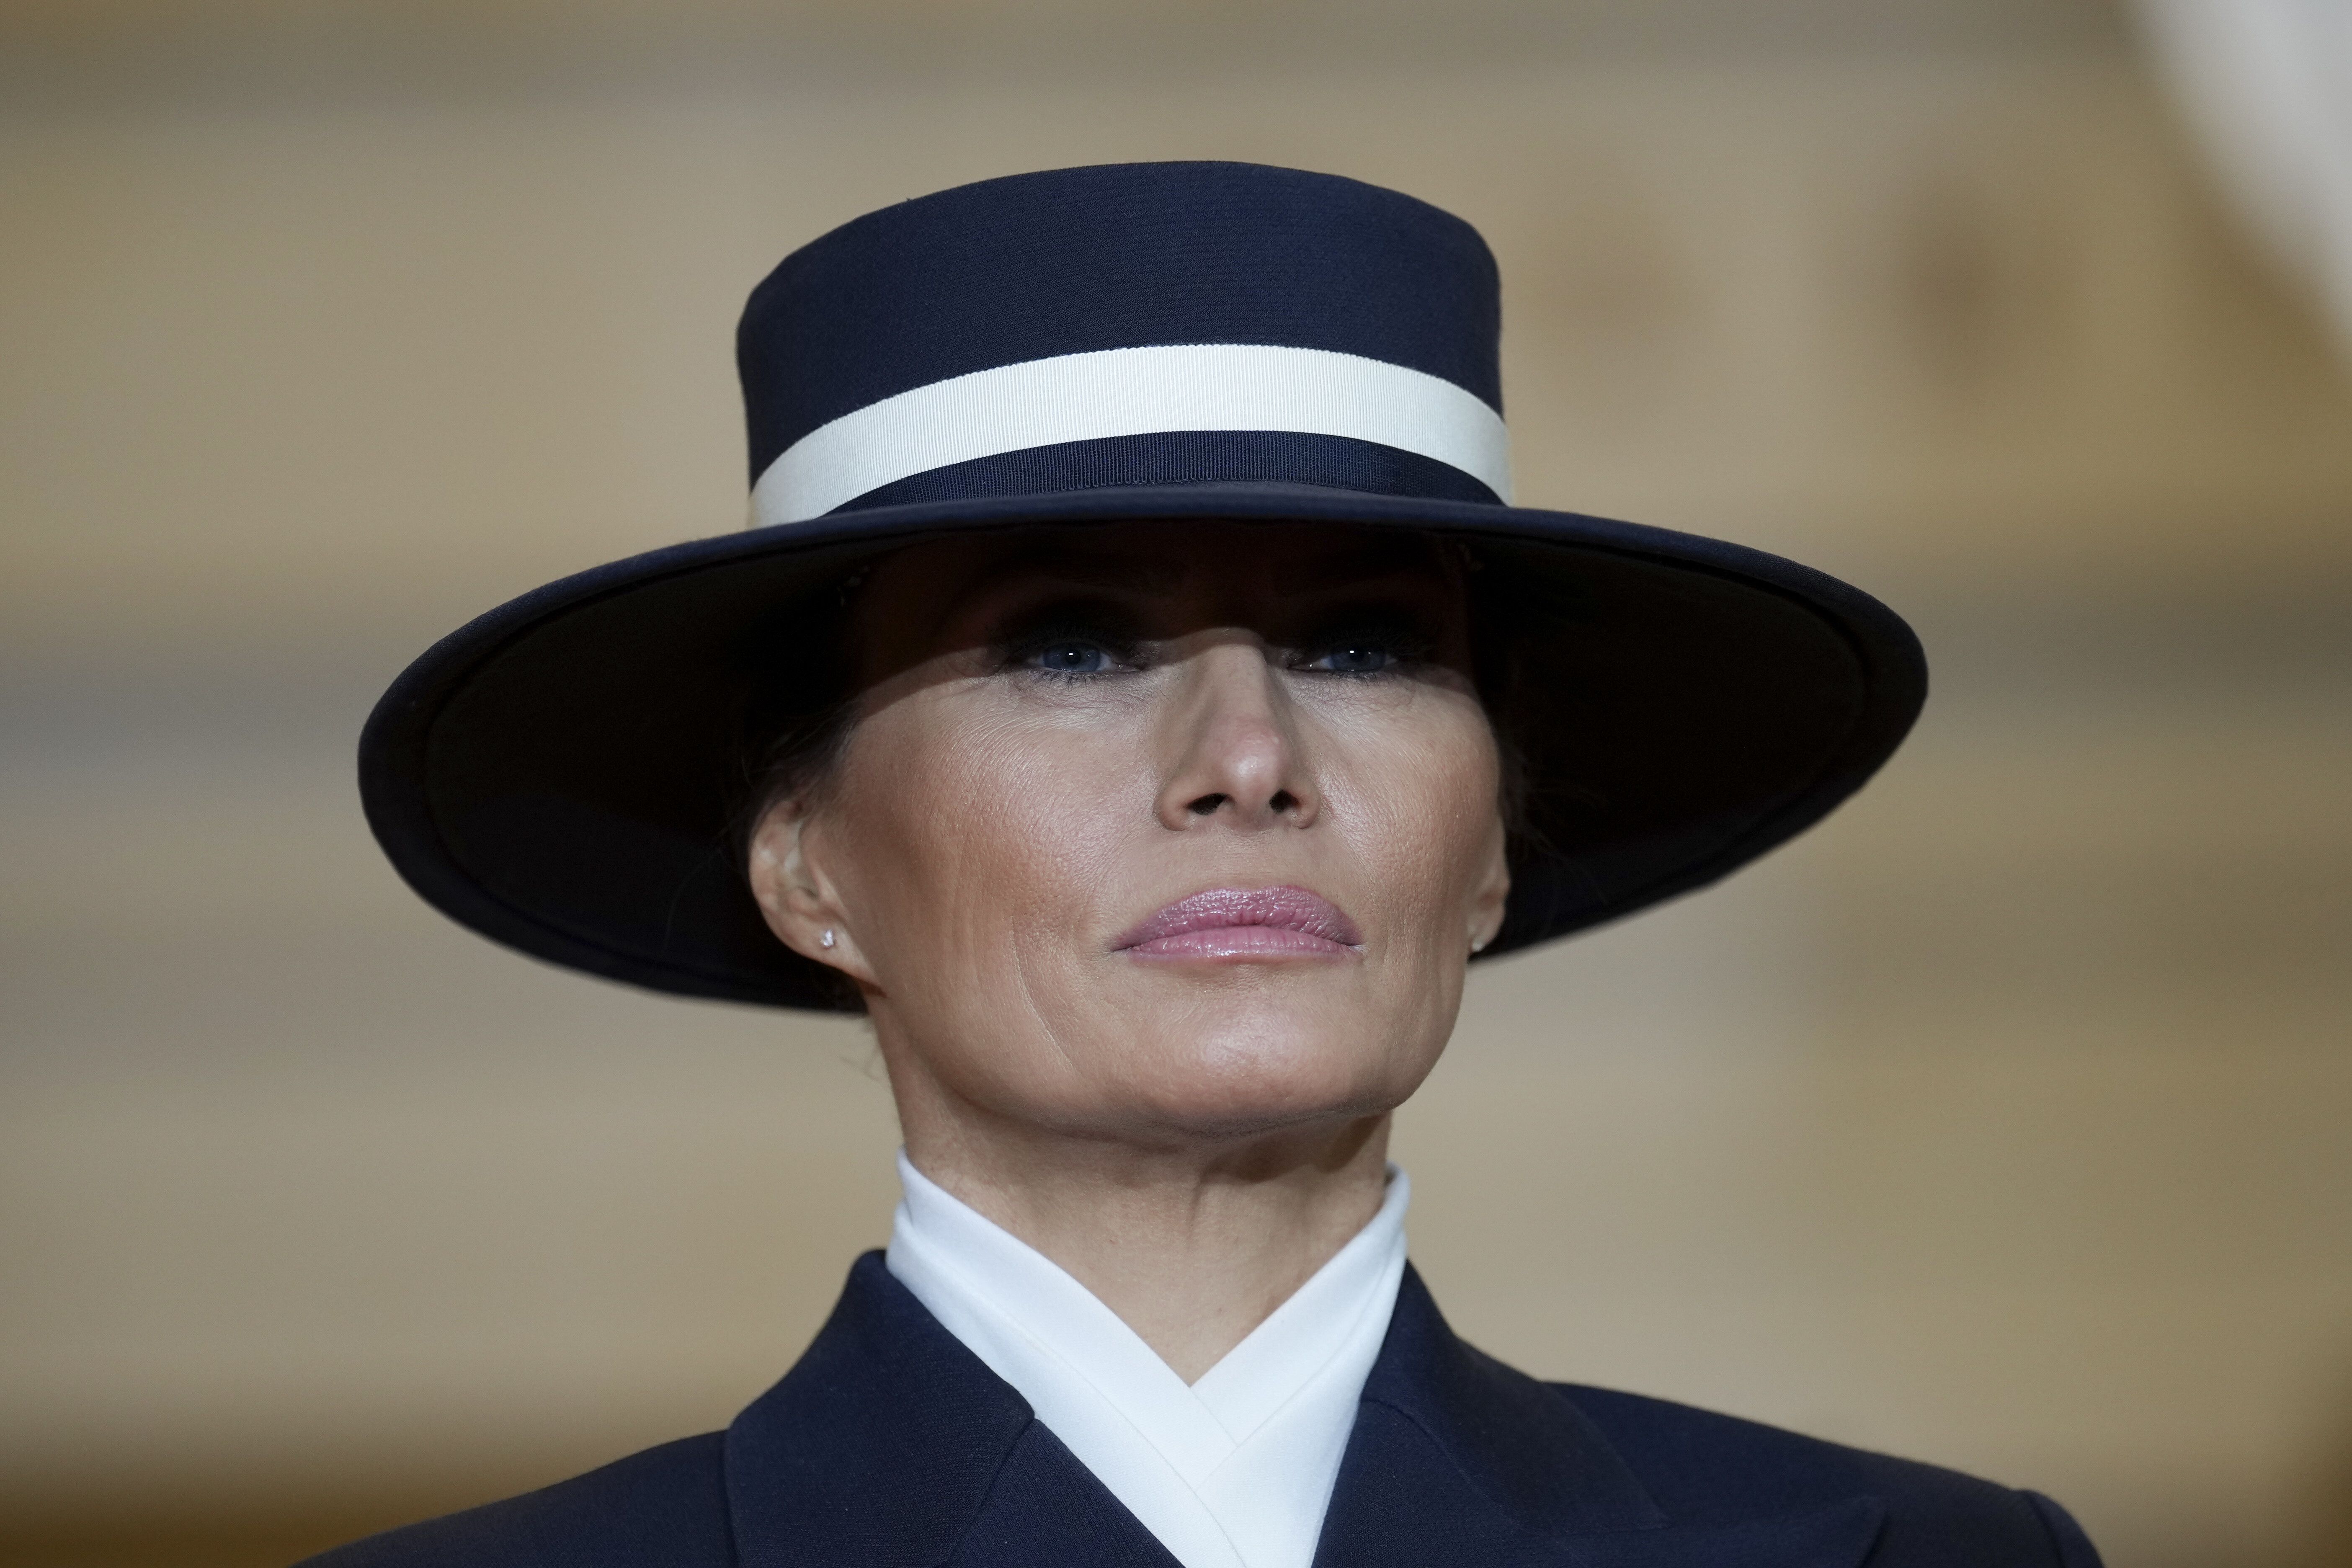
1354,658
1070,656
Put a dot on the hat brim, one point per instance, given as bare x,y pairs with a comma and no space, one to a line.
563,774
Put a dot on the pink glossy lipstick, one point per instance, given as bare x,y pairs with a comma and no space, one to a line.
1244,923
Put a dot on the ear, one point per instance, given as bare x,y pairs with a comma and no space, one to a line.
1493,890
799,900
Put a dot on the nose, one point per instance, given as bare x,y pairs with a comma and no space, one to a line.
1234,745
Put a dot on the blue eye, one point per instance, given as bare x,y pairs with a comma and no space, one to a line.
1071,656
1354,658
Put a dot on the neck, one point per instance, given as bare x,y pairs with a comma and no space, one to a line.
1193,1243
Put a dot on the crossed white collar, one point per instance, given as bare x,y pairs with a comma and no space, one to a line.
1233,1471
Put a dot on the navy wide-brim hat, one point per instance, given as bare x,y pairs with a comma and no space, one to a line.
567,774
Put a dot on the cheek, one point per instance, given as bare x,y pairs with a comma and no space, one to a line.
1419,801
977,845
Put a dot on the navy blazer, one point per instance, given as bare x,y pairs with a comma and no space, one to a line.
891,1446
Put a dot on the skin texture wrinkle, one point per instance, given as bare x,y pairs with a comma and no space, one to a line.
1060,733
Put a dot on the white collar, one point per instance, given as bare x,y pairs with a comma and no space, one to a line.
1233,1471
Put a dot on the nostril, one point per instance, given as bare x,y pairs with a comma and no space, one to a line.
1206,806
1283,801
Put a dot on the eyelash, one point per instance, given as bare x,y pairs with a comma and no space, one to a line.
1119,650
1402,650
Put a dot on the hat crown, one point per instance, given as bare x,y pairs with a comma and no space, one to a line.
1349,318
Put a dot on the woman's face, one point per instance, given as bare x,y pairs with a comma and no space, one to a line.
1155,831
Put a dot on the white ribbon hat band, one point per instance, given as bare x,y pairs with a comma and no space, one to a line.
1133,392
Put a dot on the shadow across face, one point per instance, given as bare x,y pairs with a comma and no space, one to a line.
1171,827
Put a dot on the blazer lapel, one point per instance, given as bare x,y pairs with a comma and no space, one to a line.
891,1446
1457,1458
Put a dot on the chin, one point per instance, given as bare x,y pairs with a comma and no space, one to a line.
1253,1074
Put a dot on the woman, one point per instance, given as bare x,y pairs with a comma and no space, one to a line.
1136,696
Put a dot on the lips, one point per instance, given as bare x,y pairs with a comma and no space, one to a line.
1243,923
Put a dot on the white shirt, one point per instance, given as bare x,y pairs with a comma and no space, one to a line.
1233,1471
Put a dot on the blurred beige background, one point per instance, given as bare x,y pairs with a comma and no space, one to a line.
2004,1120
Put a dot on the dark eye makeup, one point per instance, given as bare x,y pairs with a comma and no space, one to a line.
1078,642
1069,641
1071,656
1381,642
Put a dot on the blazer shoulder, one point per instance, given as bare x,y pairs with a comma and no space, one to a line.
1703,1468
667,1506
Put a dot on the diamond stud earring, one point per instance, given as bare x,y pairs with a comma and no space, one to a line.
826,940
